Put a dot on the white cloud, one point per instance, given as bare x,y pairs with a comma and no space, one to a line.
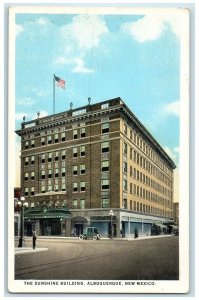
42,21
172,108
43,113
19,116
151,26
18,29
25,101
85,30
82,34
172,152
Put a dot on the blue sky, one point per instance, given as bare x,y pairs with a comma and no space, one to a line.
135,57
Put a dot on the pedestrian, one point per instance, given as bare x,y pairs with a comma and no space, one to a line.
34,237
135,233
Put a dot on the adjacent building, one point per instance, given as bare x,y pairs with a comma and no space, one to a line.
79,164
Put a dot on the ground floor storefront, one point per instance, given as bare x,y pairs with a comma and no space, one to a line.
62,222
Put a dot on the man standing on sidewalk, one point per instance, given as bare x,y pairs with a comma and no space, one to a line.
34,237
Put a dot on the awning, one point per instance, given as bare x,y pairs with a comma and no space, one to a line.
161,225
47,214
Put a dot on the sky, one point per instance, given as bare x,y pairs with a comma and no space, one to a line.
135,57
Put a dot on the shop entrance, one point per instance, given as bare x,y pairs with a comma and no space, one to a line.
78,229
50,227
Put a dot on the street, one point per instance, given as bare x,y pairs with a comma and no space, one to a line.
144,259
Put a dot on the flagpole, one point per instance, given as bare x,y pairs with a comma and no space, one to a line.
54,94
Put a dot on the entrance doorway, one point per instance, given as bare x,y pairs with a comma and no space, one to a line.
50,227
78,229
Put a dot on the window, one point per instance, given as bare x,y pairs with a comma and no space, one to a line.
50,188
131,153
75,188
49,139
105,184
131,134
26,191
32,160
105,127
75,136
26,144
63,154
49,173
32,143
105,105
43,174
82,204
26,177
56,173
82,150
32,191
82,169
105,147
82,132
105,166
138,175
105,203
63,136
125,185
43,141
125,167
131,171
134,205
82,186
138,191
134,173
49,157
74,170
43,190
125,203
56,187
43,158
26,161
125,148
56,137
64,204
56,156
125,129
63,186
79,112
32,175
131,187
75,152
63,172
75,205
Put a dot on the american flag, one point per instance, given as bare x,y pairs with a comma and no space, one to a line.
60,82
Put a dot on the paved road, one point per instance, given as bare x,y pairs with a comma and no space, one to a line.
147,259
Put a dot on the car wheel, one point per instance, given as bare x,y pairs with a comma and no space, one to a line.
99,236
94,237
81,237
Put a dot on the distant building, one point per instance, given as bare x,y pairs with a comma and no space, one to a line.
176,213
79,164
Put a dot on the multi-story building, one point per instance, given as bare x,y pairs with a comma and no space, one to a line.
79,164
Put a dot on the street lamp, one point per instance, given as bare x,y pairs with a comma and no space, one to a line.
22,204
111,215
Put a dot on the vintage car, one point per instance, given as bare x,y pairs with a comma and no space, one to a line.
90,233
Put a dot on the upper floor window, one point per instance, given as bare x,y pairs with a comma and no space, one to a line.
49,139
125,129
82,132
63,172
49,157
63,154
32,175
26,161
105,184
82,186
32,191
82,204
26,144
75,135
105,166
105,127
105,203
56,138
32,160
56,156
82,150
105,147
43,141
125,148
75,204
63,136
26,177
125,185
125,167
43,158
26,192
32,143
74,170
75,152
104,105
75,187
125,203
82,169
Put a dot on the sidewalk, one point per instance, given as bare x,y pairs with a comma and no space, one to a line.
24,250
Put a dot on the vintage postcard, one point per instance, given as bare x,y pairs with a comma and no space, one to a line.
98,150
